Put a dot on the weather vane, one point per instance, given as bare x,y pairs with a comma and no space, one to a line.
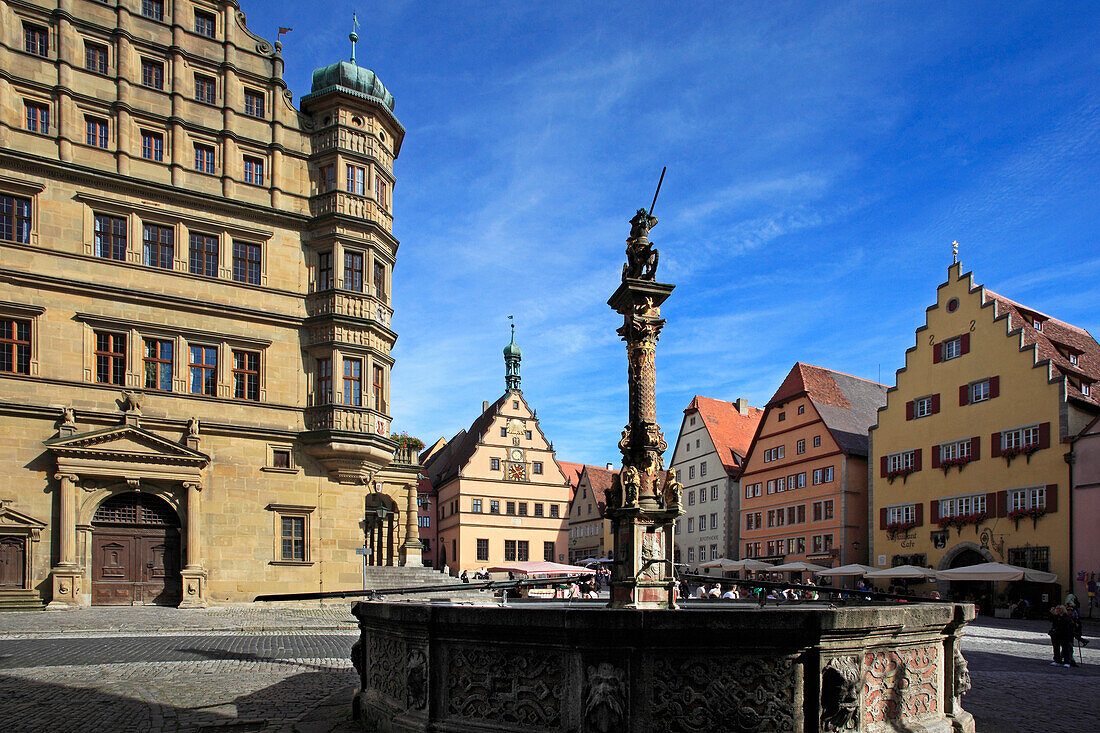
955,251
353,36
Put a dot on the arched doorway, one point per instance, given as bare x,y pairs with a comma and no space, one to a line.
135,552
975,591
380,523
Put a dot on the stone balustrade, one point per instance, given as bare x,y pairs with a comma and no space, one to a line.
353,205
349,303
347,418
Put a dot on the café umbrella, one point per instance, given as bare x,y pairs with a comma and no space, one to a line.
997,571
846,570
798,566
902,571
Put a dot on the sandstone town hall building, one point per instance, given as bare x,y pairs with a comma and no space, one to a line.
195,305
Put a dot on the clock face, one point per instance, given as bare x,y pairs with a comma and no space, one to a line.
515,472
517,454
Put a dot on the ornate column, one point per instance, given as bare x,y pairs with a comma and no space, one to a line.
643,502
412,550
66,575
193,574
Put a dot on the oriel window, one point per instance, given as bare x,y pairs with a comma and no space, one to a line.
353,382
246,375
355,179
15,346
324,381
324,270
380,280
381,192
203,369
110,358
353,270
158,364
379,389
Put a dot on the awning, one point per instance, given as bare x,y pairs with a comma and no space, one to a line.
846,570
541,568
798,566
903,571
997,571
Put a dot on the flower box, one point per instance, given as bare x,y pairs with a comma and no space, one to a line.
1023,450
947,463
902,472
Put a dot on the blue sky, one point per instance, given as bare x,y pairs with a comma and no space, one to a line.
822,157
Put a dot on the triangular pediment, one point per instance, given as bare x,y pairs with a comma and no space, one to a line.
11,519
125,443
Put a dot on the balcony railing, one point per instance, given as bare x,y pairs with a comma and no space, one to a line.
405,456
347,418
348,303
353,205
354,142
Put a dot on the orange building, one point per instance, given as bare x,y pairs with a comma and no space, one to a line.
500,494
804,485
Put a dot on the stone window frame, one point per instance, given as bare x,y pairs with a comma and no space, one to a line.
278,513
150,59
24,312
37,24
91,114
270,466
153,132
251,91
39,101
94,43
23,189
211,15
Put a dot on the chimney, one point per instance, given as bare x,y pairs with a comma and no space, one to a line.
484,405
609,467
742,406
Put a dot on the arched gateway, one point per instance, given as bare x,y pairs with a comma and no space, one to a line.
135,552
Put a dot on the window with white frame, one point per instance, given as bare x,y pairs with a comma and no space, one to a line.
691,498
979,391
702,495
691,472
691,524
1073,359
1020,437
703,469
800,446
962,506
922,407
714,520
901,514
691,553
1033,497
771,486
952,348
781,483
956,450
714,493
900,461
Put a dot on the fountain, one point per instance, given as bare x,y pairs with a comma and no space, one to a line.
640,664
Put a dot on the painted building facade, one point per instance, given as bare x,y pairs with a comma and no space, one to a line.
500,494
969,456
195,313
589,531
708,458
804,486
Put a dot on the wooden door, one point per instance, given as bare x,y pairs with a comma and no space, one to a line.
160,572
114,569
13,562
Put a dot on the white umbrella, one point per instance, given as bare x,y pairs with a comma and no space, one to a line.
997,571
594,561
797,566
723,562
902,571
750,564
846,570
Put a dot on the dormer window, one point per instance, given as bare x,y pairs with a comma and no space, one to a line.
1086,389
1038,324
1073,359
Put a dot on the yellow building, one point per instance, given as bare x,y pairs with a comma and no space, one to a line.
589,531
500,494
195,318
969,454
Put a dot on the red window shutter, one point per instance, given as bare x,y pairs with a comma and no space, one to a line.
975,448
935,403
909,410
934,505
937,353
935,453
994,387
1002,504
965,345
916,460
920,514
964,395
882,518
1044,435
991,504
1052,498
995,445
882,466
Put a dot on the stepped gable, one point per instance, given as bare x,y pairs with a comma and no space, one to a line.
729,430
1055,343
848,405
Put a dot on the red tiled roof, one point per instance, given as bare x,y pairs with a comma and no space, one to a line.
729,430
1055,343
848,405
572,472
445,464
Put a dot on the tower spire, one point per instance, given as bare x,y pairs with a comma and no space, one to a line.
353,36
512,358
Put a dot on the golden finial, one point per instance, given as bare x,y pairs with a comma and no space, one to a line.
955,251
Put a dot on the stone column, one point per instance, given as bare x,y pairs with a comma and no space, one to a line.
66,575
390,544
413,550
193,575
642,504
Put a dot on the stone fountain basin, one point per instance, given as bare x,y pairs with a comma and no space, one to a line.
705,667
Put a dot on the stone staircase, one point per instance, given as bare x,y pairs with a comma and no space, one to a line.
411,577
20,600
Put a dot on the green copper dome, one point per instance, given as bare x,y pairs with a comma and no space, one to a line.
349,76
512,349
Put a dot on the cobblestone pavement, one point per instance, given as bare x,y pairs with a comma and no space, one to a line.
287,669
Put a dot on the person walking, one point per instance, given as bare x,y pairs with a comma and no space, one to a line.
1061,637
